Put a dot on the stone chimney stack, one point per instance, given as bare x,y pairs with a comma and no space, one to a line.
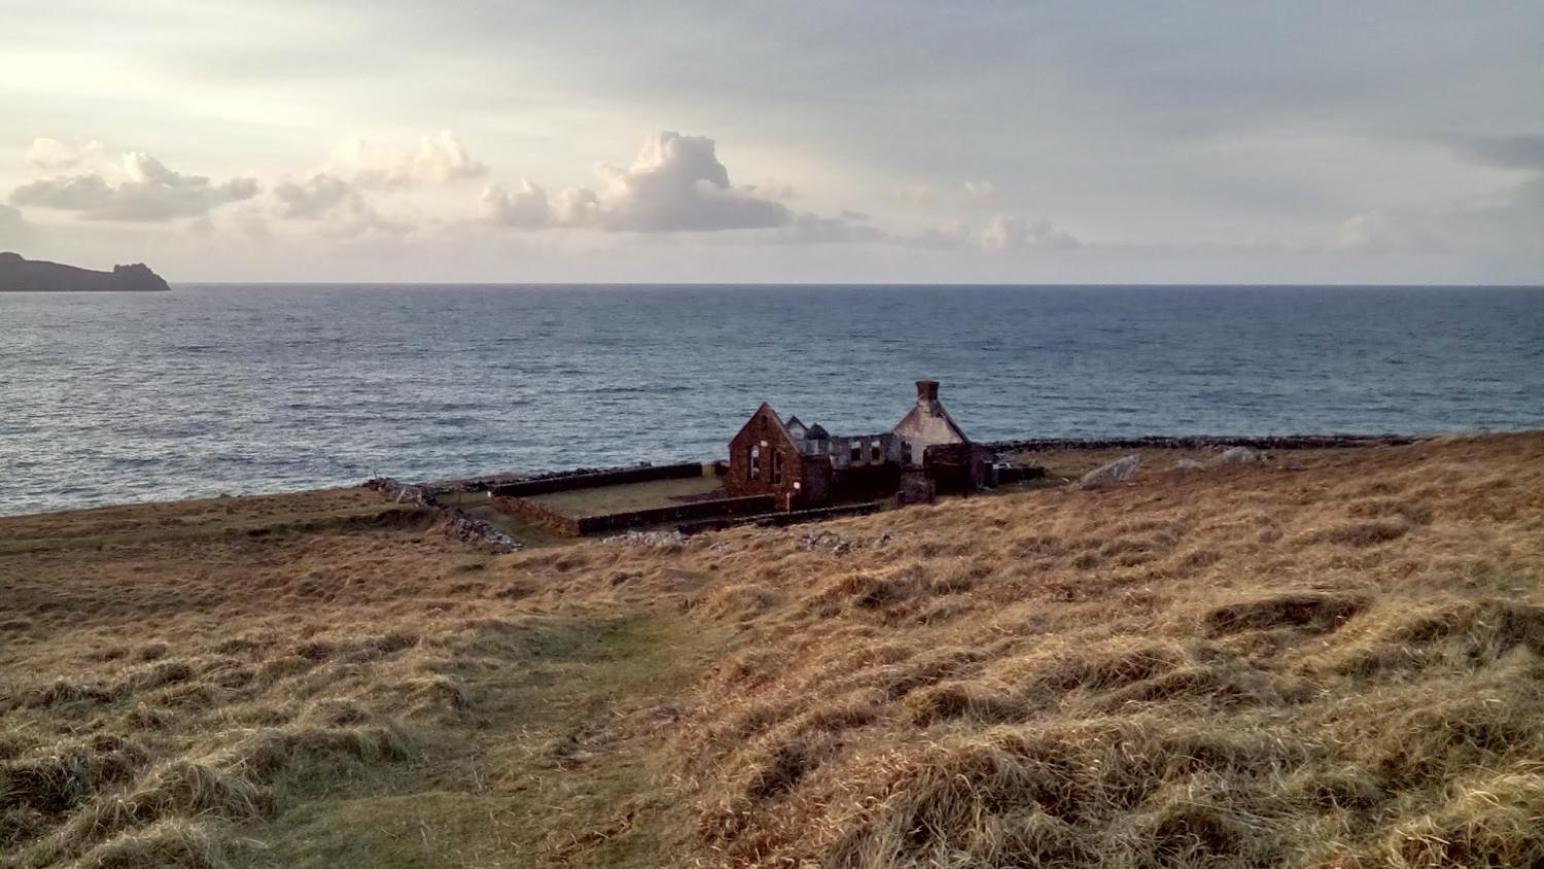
927,391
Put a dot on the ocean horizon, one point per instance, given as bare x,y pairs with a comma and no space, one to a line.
233,388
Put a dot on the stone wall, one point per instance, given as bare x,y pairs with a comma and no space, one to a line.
1202,442
595,479
537,513
720,507
791,517
452,521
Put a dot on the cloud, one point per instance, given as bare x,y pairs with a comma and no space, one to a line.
1384,231
949,237
525,208
348,214
1511,220
1014,233
313,197
920,195
52,155
813,229
1002,233
149,192
440,159
1507,152
981,191
676,184
14,229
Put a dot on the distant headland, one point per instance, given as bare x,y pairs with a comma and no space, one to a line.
18,274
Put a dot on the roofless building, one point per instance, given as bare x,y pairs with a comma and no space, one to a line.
803,466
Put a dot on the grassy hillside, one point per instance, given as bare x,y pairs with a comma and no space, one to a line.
1329,659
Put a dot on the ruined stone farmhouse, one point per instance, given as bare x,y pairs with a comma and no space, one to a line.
803,466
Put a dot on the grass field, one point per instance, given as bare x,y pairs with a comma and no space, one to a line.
629,497
1323,660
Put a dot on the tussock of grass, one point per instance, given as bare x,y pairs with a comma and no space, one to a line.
174,843
1308,611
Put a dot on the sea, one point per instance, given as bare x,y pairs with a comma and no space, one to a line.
248,388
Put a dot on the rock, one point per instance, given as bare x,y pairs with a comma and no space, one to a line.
1240,456
1187,465
476,531
453,522
825,541
650,539
1117,471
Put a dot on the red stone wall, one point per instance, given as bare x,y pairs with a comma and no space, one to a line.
763,429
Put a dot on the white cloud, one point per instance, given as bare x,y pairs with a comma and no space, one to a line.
348,215
676,184
313,197
1510,221
1382,231
52,155
440,159
14,230
981,191
525,208
920,195
1005,232
813,229
148,192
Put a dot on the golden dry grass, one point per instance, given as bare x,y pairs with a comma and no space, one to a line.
1329,660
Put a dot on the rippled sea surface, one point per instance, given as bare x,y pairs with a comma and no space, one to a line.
255,388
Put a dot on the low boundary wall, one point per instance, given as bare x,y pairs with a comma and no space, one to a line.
537,514
596,479
748,505
792,517
454,522
1202,442
540,514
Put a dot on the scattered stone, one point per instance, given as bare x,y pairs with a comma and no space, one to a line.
1188,465
825,541
1117,471
464,528
1240,455
452,521
400,492
651,539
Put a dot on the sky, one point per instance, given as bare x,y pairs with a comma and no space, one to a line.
898,141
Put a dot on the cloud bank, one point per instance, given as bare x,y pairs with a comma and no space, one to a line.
13,229
676,184
439,159
53,155
149,192
313,197
1014,233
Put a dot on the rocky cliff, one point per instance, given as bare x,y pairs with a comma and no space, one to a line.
22,275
